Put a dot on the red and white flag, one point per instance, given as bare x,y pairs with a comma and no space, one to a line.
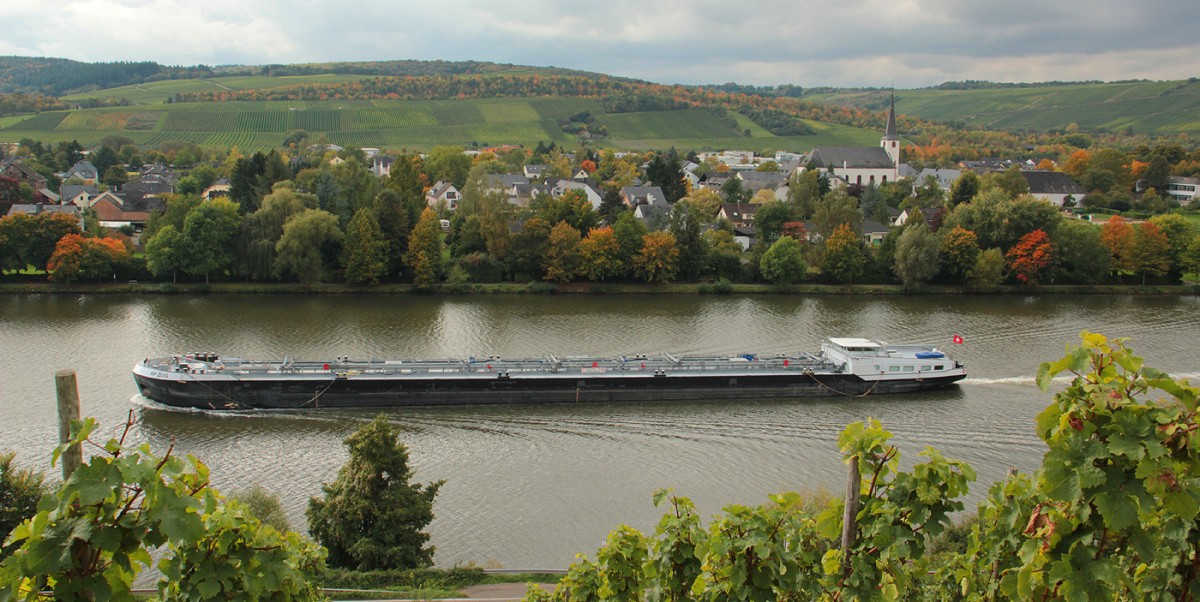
958,340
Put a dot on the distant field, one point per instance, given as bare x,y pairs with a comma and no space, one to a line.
1145,108
415,125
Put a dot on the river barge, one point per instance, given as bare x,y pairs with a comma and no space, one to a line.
843,367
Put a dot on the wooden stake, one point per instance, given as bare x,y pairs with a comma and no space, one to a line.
850,517
68,410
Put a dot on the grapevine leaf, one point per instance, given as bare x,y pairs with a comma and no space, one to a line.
1118,510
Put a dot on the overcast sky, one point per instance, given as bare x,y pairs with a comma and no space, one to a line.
908,43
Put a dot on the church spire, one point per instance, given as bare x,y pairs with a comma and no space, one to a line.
890,132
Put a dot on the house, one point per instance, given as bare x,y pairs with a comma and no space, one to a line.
218,189
580,174
36,208
654,217
84,202
755,181
744,236
1185,190
738,214
84,170
77,194
944,177
558,187
27,175
114,215
443,193
862,165
1053,186
535,171
643,195
381,165
905,214
873,232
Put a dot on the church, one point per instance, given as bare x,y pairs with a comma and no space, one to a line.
862,165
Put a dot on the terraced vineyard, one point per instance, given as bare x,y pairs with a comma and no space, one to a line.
1141,107
395,124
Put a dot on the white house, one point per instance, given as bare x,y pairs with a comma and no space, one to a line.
862,165
443,192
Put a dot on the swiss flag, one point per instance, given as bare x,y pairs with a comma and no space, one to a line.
958,340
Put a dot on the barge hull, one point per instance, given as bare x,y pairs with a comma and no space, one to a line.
335,392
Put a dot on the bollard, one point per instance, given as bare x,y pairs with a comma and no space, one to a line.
68,410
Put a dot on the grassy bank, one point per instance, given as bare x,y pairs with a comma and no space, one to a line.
580,288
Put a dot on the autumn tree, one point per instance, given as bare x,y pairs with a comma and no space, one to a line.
1150,254
783,263
371,517
365,249
30,240
845,258
1118,236
562,259
958,251
656,261
79,258
600,254
425,245
1031,258
1179,231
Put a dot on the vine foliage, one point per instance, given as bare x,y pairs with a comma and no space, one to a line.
95,535
1111,514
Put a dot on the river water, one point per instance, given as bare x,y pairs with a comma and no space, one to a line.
531,486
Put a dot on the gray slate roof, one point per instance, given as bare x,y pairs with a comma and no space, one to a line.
841,157
1051,182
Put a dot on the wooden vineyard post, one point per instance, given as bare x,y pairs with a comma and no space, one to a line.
68,410
850,517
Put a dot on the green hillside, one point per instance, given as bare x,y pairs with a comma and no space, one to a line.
395,124
1141,107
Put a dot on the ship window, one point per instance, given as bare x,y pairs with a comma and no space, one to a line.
939,367
908,368
893,368
877,368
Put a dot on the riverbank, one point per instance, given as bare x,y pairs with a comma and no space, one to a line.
581,288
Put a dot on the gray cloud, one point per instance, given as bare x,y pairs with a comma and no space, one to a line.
852,42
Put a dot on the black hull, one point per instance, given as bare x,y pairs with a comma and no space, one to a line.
286,393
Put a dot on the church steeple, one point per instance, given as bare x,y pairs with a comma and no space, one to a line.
890,133
891,141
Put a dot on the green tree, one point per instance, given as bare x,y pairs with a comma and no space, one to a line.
958,252
114,176
964,188
735,191
264,506
1000,221
1082,256
210,228
685,226
372,517
448,163
1010,182
365,250
261,230
916,256
845,258
988,272
656,261
562,260
29,240
167,252
20,491
396,218
529,248
804,192
309,246
630,234
92,539
783,263
770,218
665,170
835,209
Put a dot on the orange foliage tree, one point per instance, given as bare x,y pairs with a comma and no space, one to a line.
79,258
1031,257
1118,235
658,259
601,254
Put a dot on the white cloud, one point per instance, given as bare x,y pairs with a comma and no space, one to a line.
852,42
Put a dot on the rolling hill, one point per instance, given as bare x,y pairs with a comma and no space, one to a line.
1153,108
383,123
